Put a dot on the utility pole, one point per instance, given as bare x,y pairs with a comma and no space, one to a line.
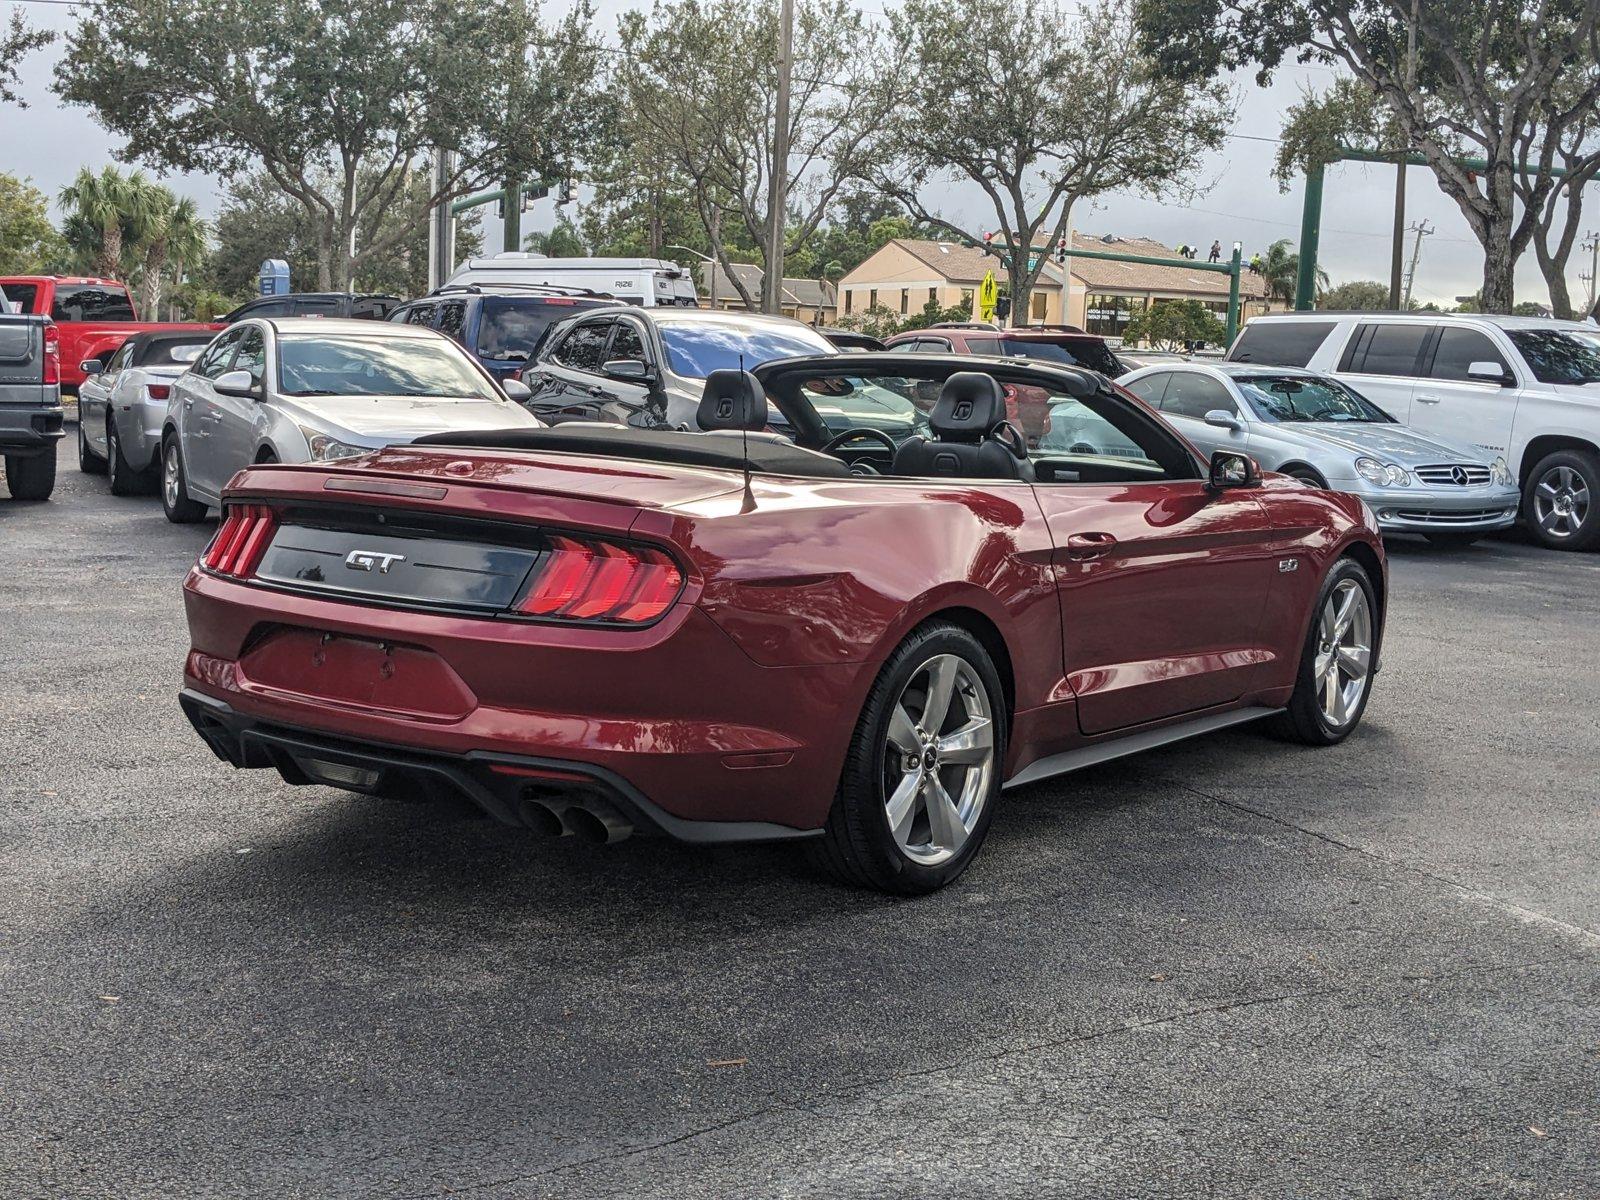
1421,230
778,179
1397,244
1593,247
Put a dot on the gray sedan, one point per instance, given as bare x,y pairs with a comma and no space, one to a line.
1323,432
122,402
304,389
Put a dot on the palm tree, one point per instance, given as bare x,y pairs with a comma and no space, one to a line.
173,232
1280,267
103,211
563,241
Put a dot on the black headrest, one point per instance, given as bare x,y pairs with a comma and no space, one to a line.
732,400
970,404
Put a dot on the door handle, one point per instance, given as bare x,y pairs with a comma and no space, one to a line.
1427,399
597,392
1090,545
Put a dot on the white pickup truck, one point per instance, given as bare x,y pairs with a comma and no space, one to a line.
1524,388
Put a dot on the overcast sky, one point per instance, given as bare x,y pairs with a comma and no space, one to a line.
49,142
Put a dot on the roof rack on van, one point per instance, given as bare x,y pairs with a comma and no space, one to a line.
552,289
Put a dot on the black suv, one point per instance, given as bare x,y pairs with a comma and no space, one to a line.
369,305
500,324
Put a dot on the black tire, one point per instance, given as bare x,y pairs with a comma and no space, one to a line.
1580,466
126,480
89,462
175,501
857,845
1453,541
32,477
1308,477
1304,720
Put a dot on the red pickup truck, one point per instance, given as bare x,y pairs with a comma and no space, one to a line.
95,316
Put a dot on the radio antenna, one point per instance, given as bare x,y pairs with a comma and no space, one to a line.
749,501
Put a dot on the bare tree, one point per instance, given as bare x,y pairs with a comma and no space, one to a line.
699,86
1039,109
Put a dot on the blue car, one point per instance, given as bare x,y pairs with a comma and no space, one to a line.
501,325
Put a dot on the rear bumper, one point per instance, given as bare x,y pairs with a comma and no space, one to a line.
30,429
676,716
541,793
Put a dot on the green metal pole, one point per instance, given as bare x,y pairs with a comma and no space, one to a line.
1305,286
1233,293
512,238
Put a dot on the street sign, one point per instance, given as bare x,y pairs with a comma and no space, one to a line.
988,294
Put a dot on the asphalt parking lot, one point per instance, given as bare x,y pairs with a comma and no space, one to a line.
1228,968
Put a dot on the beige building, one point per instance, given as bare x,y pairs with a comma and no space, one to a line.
814,301
904,274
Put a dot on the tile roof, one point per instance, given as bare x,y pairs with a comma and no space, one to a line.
967,264
803,293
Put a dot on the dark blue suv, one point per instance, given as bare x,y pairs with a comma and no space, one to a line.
500,324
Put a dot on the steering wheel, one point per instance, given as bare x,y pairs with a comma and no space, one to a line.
850,435
1012,438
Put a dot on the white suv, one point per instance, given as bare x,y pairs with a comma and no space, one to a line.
1524,388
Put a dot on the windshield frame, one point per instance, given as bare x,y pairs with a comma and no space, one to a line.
446,347
1244,385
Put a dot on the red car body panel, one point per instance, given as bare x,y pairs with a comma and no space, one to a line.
740,703
82,340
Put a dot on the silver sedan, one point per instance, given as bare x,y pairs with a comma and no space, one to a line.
304,389
1323,432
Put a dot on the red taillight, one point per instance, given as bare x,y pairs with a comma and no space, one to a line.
158,391
52,354
240,541
591,580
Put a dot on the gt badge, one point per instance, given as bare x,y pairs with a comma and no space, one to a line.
371,560
1285,565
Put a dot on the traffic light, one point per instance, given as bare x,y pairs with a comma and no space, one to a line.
988,242
529,195
568,193
1061,251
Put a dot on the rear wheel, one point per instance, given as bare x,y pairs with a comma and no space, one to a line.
175,500
126,480
923,771
89,462
1335,676
32,478
1561,500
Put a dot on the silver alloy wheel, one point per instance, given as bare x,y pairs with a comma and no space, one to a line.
170,472
938,759
1344,652
111,446
1561,502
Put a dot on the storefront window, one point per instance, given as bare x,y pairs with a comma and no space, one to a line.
1109,315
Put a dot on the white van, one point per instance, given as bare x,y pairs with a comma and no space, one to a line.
1525,389
650,282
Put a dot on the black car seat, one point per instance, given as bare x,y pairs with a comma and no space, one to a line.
965,421
734,402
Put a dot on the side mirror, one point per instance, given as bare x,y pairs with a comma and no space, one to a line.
237,383
91,366
1224,420
1489,372
1230,470
629,368
516,390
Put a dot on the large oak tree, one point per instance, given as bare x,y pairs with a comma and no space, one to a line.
339,103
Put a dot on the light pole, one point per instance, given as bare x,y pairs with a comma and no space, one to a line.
711,269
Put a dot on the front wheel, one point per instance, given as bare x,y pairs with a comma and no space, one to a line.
923,771
89,462
1561,500
1335,676
180,509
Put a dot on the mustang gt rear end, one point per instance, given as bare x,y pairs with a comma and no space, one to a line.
729,636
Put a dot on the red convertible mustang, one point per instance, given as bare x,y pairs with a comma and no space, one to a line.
728,635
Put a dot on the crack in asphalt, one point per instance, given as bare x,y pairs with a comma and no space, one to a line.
1533,916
